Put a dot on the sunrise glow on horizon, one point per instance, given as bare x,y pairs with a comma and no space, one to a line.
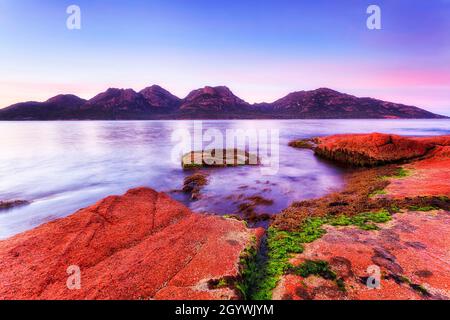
261,50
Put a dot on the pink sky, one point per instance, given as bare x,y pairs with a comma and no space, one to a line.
262,81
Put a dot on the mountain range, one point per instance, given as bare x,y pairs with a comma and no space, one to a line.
219,102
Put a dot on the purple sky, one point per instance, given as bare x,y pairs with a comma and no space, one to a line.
261,49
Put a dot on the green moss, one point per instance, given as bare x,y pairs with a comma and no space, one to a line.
340,221
417,287
222,283
363,221
248,270
319,268
423,208
420,288
401,173
376,193
282,245
341,284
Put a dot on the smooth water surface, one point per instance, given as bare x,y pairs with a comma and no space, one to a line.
63,166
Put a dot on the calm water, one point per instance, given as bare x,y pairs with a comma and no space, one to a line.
64,166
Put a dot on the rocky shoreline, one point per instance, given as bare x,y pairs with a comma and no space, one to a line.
392,218
394,214
142,245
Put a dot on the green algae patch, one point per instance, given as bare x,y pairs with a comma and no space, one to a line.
414,286
249,270
283,245
401,173
319,268
314,267
376,193
423,208
364,221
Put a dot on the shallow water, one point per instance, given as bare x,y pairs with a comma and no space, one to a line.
64,166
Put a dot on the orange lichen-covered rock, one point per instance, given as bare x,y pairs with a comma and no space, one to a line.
428,177
435,140
371,149
428,159
411,252
137,246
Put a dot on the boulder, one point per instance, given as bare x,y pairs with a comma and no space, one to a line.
218,158
371,149
142,245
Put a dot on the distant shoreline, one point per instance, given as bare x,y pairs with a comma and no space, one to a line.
224,119
156,103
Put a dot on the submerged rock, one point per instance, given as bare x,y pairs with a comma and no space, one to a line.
303,143
142,245
194,183
4,205
218,158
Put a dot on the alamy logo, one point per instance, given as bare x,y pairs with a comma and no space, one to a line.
374,280
73,22
74,280
374,20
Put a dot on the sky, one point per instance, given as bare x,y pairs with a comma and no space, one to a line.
261,49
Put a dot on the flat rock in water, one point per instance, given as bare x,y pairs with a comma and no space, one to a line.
374,149
218,158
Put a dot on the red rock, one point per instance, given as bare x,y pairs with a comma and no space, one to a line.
436,140
371,149
411,251
429,177
413,245
428,157
139,245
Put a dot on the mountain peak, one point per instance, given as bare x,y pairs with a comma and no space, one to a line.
213,100
66,99
154,88
324,90
159,97
114,94
213,92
